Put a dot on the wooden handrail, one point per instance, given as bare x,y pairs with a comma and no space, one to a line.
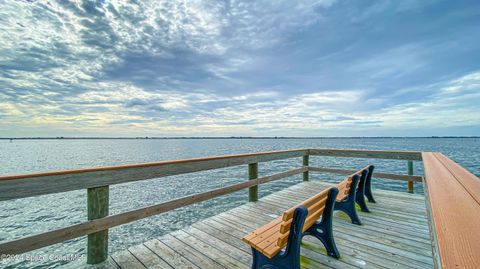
97,181
56,236
377,174
21,186
453,206
362,153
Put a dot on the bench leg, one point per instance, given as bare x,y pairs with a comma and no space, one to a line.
348,208
290,257
360,195
360,199
348,204
324,233
368,185
323,230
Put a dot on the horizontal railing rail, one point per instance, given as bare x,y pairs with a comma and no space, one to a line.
452,195
369,154
377,174
21,186
86,228
97,181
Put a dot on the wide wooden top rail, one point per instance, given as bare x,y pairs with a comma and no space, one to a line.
20,186
453,199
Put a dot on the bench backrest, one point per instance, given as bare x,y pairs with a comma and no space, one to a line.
364,173
345,185
315,206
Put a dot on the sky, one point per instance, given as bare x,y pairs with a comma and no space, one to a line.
239,68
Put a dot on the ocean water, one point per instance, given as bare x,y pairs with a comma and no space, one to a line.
28,216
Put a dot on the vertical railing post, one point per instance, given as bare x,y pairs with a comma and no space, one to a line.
253,174
410,173
97,204
305,163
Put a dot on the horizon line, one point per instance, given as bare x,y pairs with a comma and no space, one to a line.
219,137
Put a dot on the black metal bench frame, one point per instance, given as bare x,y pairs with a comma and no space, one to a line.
347,205
289,258
365,190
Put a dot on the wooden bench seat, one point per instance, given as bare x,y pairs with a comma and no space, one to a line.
349,195
278,243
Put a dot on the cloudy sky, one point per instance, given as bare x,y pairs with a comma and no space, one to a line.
260,68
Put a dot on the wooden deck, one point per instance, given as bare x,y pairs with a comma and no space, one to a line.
394,235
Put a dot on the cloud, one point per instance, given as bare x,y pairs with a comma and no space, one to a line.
135,102
453,103
235,67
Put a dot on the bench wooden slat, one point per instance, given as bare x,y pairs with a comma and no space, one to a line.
271,250
262,229
311,219
283,239
454,210
285,227
272,237
318,207
267,234
307,203
344,187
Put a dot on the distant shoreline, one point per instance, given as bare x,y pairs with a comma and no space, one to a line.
226,137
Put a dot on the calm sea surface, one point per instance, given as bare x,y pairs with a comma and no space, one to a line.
33,215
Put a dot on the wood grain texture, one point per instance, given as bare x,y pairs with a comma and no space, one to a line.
305,162
272,237
56,236
468,180
376,174
454,210
375,154
382,242
97,207
410,173
253,174
20,186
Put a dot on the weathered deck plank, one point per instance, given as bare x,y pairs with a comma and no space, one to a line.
394,235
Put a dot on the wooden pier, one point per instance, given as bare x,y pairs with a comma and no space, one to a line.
394,235
403,230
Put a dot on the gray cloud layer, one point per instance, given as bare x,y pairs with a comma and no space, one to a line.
239,68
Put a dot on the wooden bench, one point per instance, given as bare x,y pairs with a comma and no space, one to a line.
347,190
277,244
367,188
364,188
349,195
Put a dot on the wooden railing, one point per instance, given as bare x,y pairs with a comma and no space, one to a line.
453,205
98,180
